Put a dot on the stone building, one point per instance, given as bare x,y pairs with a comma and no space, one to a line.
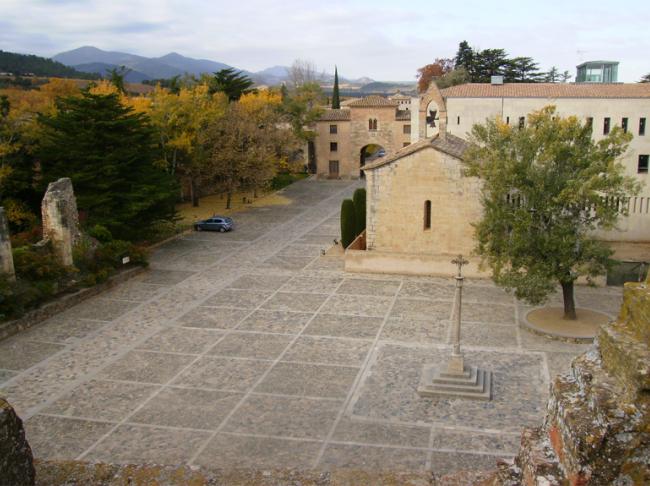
343,135
420,207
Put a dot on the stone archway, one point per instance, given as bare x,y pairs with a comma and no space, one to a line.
369,153
432,115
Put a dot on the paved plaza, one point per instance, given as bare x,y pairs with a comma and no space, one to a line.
251,349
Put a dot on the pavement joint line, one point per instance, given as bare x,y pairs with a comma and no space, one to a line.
154,394
169,288
358,378
429,461
255,385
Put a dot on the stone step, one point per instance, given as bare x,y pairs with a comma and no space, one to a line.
431,385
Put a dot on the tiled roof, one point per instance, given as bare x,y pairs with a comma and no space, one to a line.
451,145
402,115
373,101
548,90
335,115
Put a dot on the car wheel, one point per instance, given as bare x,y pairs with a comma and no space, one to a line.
198,228
222,230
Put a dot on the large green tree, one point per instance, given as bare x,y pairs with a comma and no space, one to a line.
546,188
108,151
231,82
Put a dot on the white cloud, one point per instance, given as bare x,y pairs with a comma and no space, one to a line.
381,38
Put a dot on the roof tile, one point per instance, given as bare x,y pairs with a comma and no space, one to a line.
548,90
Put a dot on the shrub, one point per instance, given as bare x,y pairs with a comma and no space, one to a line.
100,233
359,199
38,264
348,223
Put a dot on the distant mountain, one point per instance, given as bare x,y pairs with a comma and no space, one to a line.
173,64
192,66
102,69
23,64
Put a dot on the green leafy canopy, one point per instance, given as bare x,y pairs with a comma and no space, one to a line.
546,189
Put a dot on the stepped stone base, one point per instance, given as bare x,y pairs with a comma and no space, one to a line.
470,383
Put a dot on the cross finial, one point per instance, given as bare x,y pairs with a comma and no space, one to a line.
459,261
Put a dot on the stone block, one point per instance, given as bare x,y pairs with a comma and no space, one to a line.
16,460
6,258
60,218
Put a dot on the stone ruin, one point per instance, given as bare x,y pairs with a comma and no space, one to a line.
16,460
6,257
597,425
61,219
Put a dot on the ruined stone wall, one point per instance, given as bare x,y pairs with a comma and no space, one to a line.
597,425
16,460
60,218
6,257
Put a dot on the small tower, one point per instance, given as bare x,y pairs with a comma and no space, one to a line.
597,72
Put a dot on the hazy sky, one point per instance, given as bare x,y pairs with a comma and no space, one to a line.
386,40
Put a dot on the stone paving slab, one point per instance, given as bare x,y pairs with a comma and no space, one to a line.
250,349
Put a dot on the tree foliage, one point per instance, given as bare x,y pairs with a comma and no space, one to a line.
302,106
645,79
546,188
108,151
231,82
336,97
348,222
482,64
428,73
21,64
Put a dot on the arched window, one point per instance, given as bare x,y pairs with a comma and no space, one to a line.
427,215
370,124
374,124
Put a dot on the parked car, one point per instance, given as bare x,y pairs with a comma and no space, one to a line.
381,153
215,223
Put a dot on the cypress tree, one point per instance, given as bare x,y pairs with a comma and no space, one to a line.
348,223
108,151
336,101
359,199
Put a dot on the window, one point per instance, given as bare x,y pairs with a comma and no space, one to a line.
624,124
406,144
590,123
643,164
507,120
372,124
334,168
334,146
334,129
457,120
606,126
406,129
427,215
641,126
522,122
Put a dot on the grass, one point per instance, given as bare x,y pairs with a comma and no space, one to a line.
216,204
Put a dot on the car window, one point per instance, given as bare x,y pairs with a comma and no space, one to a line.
218,221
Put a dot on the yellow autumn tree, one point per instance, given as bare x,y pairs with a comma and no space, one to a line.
179,120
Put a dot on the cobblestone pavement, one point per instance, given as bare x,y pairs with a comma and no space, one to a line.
250,349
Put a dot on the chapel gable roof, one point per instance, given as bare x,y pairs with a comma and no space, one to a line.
335,115
449,144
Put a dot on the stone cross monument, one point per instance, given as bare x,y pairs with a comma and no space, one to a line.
456,380
6,257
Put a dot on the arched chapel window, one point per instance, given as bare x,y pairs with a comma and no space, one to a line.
427,215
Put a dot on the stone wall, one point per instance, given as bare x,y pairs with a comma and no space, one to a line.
597,425
60,218
16,460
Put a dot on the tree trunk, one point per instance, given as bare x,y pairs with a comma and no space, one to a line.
569,302
228,200
194,193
